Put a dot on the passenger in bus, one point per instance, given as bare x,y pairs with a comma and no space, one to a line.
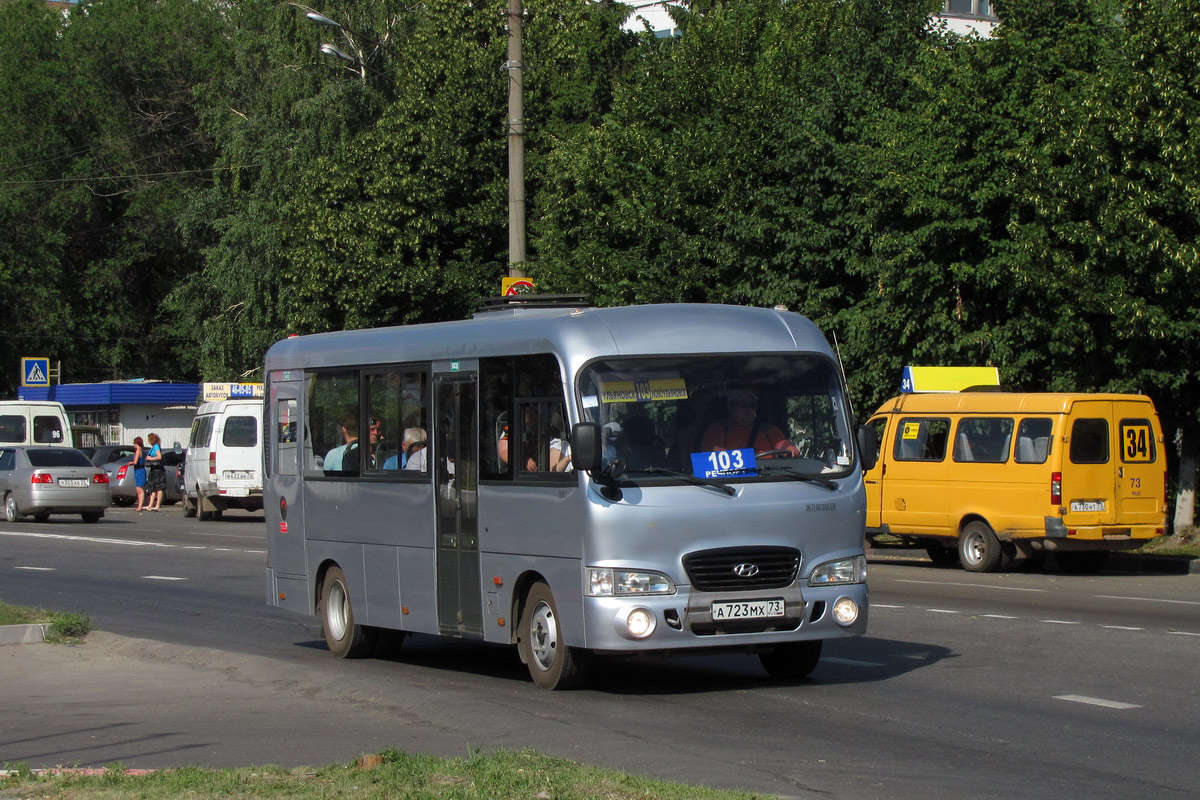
377,443
415,448
743,429
560,445
344,457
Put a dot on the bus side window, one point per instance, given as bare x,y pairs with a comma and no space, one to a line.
1033,440
333,421
921,439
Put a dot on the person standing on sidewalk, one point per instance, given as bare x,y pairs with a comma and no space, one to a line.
139,471
156,474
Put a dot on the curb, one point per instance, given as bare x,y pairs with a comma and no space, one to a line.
22,634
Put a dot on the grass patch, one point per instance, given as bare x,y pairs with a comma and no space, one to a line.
497,776
64,627
1184,543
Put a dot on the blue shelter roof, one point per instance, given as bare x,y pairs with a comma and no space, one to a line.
118,393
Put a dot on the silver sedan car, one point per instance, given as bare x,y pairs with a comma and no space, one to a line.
40,481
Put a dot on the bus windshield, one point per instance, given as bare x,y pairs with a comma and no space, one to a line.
744,416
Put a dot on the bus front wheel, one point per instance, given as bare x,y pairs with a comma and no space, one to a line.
792,661
346,638
978,548
552,664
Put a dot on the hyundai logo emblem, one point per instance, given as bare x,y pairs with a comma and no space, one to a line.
746,570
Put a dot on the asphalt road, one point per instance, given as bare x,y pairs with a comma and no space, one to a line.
1009,685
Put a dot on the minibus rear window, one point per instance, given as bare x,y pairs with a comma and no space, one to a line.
12,428
1089,441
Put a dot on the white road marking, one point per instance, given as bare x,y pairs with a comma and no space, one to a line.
38,569
998,616
940,611
1121,628
1095,701
874,605
1058,621
1149,599
162,578
95,539
1183,633
852,663
971,585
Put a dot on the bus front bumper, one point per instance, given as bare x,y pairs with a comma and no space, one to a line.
692,620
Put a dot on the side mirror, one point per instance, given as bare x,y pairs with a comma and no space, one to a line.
178,447
586,447
868,446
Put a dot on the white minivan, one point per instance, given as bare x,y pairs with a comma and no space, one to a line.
224,459
33,422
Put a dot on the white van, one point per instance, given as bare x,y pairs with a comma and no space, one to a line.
24,422
224,459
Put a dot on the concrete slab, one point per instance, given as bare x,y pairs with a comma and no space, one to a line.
22,634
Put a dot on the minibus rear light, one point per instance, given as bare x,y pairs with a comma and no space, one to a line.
1056,489
212,464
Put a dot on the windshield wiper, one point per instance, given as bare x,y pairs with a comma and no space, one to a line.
798,475
692,479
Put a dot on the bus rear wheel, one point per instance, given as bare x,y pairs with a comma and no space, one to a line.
346,638
552,664
792,661
978,548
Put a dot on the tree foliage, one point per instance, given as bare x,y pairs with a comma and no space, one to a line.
171,204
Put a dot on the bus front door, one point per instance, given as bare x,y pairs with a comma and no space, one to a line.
460,611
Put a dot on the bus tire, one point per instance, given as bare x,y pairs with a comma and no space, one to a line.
552,664
978,548
346,638
792,661
941,555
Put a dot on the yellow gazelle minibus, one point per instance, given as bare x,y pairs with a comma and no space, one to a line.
985,476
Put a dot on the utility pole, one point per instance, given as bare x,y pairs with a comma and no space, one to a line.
516,142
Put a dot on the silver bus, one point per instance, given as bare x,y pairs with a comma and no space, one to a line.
581,482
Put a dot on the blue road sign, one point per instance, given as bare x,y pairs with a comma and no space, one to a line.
35,372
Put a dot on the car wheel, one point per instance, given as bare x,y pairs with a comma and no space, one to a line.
552,664
11,512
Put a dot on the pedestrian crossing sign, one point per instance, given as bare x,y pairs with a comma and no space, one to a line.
35,372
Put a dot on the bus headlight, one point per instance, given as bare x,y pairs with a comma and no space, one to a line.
608,582
846,570
845,611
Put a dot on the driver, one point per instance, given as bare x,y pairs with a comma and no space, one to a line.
741,428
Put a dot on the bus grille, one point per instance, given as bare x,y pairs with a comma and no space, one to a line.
735,569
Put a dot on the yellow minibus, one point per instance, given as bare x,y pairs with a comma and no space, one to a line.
983,477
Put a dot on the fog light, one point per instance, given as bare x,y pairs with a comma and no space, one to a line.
845,611
640,623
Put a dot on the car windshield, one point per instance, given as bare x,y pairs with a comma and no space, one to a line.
57,457
745,416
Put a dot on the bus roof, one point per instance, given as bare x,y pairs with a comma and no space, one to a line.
575,334
997,402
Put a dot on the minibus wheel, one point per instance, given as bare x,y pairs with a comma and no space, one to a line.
552,664
792,661
346,639
978,548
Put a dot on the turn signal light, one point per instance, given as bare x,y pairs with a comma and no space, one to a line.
1056,489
